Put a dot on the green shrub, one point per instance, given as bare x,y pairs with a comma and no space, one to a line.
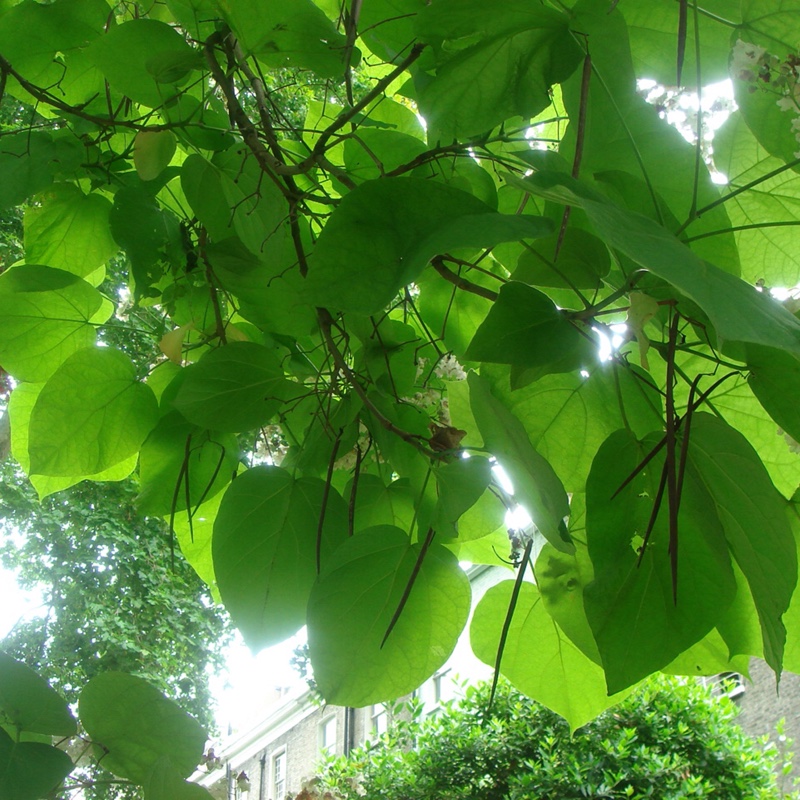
669,740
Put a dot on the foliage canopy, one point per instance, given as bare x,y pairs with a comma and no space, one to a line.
355,300
669,740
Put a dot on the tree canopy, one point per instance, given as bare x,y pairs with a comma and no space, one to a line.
361,242
671,739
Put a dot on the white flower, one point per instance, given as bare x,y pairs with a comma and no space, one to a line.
449,369
745,59
786,103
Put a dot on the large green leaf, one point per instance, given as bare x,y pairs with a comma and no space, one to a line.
195,535
739,313
137,727
143,59
92,413
769,252
753,517
526,329
20,406
234,388
554,672
775,381
149,233
30,770
536,485
625,134
460,485
55,35
653,26
181,465
354,601
69,230
293,33
399,224
27,703
270,539
47,315
638,625
26,164
493,62
568,417
165,783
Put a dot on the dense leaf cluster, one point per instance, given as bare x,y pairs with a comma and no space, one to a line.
670,740
422,269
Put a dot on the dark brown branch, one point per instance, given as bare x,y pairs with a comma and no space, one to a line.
462,283
326,323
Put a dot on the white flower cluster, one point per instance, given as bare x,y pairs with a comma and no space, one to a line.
754,65
449,369
348,460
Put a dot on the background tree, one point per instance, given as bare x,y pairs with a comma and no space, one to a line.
671,739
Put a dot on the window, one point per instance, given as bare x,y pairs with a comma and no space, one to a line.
327,738
725,684
380,719
279,776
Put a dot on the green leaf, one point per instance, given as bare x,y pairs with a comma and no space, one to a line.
492,63
525,328
182,464
195,537
141,58
582,261
554,672
379,504
770,252
152,152
69,230
150,235
653,28
400,223
460,485
637,624
536,486
739,313
92,413
568,417
137,727
265,549
294,33
238,387
29,704
55,35
353,603
775,381
165,783
753,517
30,770
20,406
47,316
26,165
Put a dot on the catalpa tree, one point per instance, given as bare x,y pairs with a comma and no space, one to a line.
379,246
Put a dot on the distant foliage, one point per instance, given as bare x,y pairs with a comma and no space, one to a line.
668,741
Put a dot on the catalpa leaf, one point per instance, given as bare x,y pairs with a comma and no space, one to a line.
30,770
48,315
384,232
354,601
526,329
555,672
92,413
536,486
69,230
493,62
238,387
753,517
271,536
638,624
29,704
136,726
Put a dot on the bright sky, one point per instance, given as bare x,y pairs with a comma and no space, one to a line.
15,604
